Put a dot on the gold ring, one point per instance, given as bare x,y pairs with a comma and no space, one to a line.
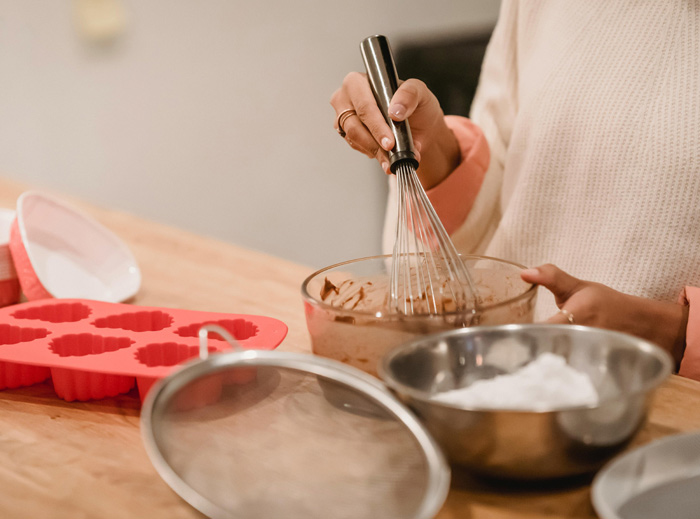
342,117
569,315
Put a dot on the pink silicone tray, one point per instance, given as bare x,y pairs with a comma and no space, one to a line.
93,349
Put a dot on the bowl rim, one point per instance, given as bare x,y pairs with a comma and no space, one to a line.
424,397
608,473
118,245
398,316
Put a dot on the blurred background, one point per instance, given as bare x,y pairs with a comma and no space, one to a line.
214,116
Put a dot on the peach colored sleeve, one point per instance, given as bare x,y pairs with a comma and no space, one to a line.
690,364
453,197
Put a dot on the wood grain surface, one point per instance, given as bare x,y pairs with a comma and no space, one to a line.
87,460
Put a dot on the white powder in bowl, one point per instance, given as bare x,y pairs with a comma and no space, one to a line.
546,382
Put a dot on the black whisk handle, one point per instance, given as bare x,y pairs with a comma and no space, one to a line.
381,72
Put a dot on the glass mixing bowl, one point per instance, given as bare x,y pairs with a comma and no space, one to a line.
348,319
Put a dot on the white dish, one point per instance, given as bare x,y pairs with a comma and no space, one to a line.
660,480
61,252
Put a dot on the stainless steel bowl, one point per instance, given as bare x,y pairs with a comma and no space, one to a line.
528,444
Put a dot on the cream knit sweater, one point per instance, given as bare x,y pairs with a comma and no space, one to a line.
591,109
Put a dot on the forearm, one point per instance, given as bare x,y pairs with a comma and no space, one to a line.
440,158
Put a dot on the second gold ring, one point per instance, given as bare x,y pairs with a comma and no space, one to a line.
342,117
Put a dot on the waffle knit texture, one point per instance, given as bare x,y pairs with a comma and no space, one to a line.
591,111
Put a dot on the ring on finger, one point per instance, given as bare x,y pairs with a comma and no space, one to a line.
569,316
342,117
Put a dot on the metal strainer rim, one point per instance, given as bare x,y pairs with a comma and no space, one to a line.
438,477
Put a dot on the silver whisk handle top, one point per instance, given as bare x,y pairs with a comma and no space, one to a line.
384,81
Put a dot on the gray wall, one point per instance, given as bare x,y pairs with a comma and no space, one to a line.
209,115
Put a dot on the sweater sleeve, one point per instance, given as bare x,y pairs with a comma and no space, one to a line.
690,364
453,197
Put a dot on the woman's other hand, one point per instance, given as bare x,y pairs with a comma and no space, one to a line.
593,304
367,132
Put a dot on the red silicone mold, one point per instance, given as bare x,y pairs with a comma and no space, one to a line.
93,349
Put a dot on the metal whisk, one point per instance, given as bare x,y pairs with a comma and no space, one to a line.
427,273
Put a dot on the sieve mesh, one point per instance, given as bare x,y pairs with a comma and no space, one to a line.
261,441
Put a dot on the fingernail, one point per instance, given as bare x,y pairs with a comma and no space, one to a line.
398,111
529,272
386,143
385,166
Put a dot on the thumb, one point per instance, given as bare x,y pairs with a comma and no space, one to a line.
411,94
561,284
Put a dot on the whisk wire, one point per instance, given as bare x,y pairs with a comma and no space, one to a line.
423,237
427,272
398,279
422,261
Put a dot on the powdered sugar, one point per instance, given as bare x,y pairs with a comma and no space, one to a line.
546,382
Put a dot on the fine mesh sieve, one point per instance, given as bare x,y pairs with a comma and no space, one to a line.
260,434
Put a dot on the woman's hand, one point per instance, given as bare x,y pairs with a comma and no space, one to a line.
593,304
367,132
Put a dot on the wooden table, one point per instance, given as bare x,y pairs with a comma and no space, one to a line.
85,460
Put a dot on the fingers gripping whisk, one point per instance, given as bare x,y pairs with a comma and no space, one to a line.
427,273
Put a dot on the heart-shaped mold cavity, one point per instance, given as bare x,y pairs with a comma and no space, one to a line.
81,344
239,328
145,321
164,354
55,313
14,334
167,354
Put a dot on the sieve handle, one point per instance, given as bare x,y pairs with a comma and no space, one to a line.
220,330
381,72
